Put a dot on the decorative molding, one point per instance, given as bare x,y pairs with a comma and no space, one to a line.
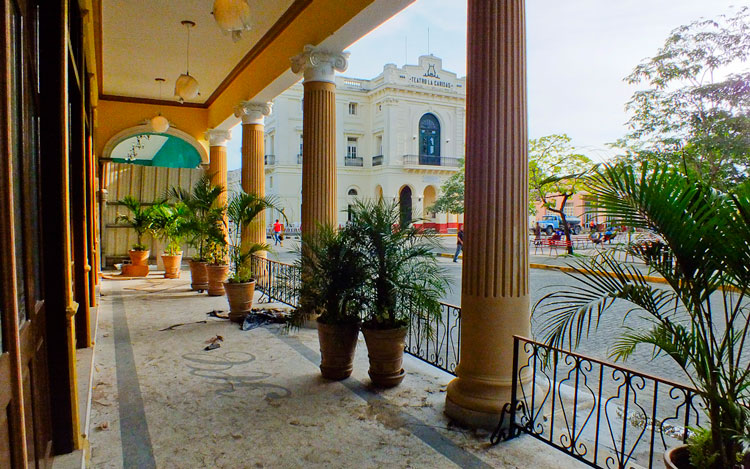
218,137
253,113
319,64
158,102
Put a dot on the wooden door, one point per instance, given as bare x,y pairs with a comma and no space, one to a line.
26,396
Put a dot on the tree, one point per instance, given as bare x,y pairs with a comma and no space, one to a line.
556,172
451,198
695,114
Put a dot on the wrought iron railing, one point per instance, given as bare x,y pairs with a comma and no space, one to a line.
377,160
354,161
429,160
279,282
602,414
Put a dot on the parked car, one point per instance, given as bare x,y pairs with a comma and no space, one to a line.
550,223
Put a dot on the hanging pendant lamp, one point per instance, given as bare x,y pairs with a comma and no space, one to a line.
186,86
232,16
159,123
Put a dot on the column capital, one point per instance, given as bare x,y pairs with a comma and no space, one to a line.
318,64
218,137
252,113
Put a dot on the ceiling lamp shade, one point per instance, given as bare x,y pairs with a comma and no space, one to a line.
232,16
186,87
159,124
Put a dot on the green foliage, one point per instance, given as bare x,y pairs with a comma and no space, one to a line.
694,114
556,173
699,447
333,272
705,252
402,271
170,225
204,215
216,251
140,219
242,210
451,198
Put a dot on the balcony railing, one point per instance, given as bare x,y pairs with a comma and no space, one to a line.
602,414
354,161
377,160
429,160
280,282
270,160
299,158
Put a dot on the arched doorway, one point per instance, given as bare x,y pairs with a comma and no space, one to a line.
429,140
404,203
428,201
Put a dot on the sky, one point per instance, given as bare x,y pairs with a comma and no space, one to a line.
578,52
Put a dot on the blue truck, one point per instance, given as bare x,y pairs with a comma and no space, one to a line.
550,223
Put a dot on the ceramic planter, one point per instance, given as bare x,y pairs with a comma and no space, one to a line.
138,257
386,351
217,275
240,297
172,265
198,276
677,458
337,345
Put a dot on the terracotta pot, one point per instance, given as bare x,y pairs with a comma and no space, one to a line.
677,458
337,345
198,276
217,275
386,351
172,265
240,297
138,257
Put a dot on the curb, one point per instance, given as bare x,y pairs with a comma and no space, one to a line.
565,268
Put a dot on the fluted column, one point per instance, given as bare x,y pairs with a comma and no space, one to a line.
217,158
319,134
495,285
253,165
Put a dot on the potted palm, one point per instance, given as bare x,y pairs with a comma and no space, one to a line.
705,253
333,275
141,220
404,280
169,227
242,210
204,223
217,267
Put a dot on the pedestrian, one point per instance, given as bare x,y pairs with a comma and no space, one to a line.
537,234
592,226
459,244
277,233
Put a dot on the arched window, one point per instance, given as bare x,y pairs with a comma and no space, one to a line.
429,140
352,192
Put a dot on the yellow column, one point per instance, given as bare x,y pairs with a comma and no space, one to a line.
253,165
319,134
217,158
495,285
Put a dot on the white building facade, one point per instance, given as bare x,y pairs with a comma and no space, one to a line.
399,136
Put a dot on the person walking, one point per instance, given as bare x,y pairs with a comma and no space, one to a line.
537,234
459,244
277,233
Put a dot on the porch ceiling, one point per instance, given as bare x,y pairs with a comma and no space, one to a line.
144,39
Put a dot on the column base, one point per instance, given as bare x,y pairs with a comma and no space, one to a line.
471,418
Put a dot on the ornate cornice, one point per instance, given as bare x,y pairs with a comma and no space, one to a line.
319,64
218,137
253,113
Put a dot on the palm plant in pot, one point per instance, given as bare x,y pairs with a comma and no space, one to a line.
204,223
404,283
700,320
217,265
242,210
333,275
141,220
170,227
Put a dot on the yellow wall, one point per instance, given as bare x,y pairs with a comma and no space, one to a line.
116,116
